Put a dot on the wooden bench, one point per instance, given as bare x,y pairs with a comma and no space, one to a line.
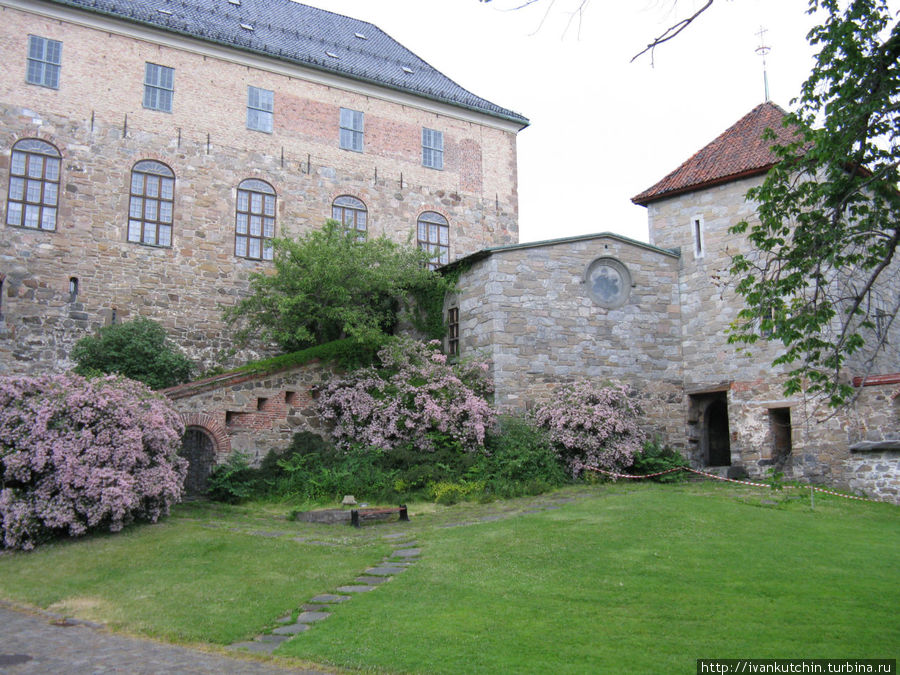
356,515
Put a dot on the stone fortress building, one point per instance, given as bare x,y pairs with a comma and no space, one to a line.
657,315
152,148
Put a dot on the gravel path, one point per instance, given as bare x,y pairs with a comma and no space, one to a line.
36,644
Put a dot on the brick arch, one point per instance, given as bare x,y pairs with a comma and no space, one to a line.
212,426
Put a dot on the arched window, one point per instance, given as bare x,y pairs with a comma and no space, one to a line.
434,237
33,185
351,213
254,221
152,203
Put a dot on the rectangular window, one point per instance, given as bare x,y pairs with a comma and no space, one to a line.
159,87
260,109
432,148
697,228
351,130
453,331
44,59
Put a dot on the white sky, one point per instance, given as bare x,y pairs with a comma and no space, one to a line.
602,129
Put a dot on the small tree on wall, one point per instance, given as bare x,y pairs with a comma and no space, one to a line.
328,284
137,349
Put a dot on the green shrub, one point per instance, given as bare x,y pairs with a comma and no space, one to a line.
446,492
518,453
655,457
234,481
137,349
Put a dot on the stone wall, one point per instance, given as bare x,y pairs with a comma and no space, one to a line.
529,309
252,414
97,122
874,470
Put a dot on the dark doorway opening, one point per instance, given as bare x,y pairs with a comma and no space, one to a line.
717,433
198,449
708,416
780,424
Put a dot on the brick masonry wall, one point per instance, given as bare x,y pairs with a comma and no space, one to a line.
97,122
252,414
528,310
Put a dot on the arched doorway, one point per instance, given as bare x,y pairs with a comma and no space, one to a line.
198,449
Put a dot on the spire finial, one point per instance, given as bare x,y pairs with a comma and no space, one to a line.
763,50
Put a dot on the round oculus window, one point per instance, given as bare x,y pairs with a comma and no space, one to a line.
608,282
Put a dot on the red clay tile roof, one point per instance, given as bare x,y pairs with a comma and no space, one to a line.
737,153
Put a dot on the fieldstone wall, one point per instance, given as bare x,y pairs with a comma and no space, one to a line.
874,470
529,310
97,122
252,414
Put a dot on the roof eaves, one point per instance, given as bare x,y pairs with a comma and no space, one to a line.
642,200
491,110
487,252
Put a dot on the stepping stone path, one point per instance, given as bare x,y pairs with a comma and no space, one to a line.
318,608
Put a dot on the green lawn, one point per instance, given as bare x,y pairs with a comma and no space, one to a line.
635,579
623,578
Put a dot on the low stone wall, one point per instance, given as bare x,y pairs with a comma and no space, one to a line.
874,470
252,413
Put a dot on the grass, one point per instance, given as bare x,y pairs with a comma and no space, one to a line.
639,579
613,578
199,576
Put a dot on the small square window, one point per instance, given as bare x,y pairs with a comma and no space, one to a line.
351,130
159,87
43,63
260,109
432,148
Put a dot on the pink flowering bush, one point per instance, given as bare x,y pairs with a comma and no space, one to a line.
78,455
415,398
592,425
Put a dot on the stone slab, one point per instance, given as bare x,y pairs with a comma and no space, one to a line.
385,570
284,619
329,598
356,589
312,617
255,647
293,629
309,607
371,581
277,639
407,553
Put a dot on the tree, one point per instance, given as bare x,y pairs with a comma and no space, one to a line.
328,284
823,277
137,349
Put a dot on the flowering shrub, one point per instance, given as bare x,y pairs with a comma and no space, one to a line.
79,455
415,398
592,426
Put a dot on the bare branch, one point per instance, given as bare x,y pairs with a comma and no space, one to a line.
672,31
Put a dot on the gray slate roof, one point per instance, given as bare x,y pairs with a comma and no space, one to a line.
300,35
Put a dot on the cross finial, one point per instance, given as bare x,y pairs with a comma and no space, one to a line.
762,50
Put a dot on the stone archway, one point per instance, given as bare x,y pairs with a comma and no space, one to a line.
199,449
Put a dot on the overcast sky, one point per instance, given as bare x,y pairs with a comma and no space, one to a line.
602,129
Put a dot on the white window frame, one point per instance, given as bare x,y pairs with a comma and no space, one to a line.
432,149
260,109
352,125
44,62
159,87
